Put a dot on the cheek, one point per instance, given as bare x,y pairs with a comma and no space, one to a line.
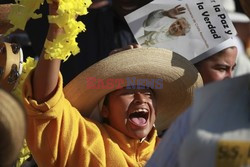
216,75
125,102
154,115
153,104
120,105
153,108
209,75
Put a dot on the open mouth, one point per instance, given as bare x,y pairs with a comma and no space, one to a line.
139,117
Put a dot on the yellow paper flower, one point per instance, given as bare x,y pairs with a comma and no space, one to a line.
22,12
65,45
27,67
24,154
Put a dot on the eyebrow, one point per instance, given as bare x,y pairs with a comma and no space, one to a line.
140,90
225,65
234,66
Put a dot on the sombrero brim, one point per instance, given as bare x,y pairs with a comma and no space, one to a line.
179,76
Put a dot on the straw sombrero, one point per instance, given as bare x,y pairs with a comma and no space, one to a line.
179,79
12,128
11,58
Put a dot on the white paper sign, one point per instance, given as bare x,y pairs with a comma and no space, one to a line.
198,26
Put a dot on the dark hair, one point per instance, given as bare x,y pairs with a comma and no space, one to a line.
105,103
106,100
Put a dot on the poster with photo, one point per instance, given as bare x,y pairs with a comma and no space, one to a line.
187,27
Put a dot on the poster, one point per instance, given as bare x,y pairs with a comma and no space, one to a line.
187,27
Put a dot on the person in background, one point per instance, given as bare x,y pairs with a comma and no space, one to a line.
219,62
12,128
242,25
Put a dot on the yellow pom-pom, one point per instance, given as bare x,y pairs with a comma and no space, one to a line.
27,67
64,45
23,155
22,12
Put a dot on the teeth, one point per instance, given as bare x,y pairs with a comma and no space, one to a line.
141,110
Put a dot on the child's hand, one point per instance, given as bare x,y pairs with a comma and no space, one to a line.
132,46
54,30
53,7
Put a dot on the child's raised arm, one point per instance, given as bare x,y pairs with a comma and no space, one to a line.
46,74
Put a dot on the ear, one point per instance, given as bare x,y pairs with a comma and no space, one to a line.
105,111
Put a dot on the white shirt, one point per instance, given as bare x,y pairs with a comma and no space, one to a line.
156,29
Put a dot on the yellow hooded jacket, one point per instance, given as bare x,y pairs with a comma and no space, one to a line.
59,136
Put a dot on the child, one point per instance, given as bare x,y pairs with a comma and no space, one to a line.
133,90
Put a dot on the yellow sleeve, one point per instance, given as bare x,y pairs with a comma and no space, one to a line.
58,135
